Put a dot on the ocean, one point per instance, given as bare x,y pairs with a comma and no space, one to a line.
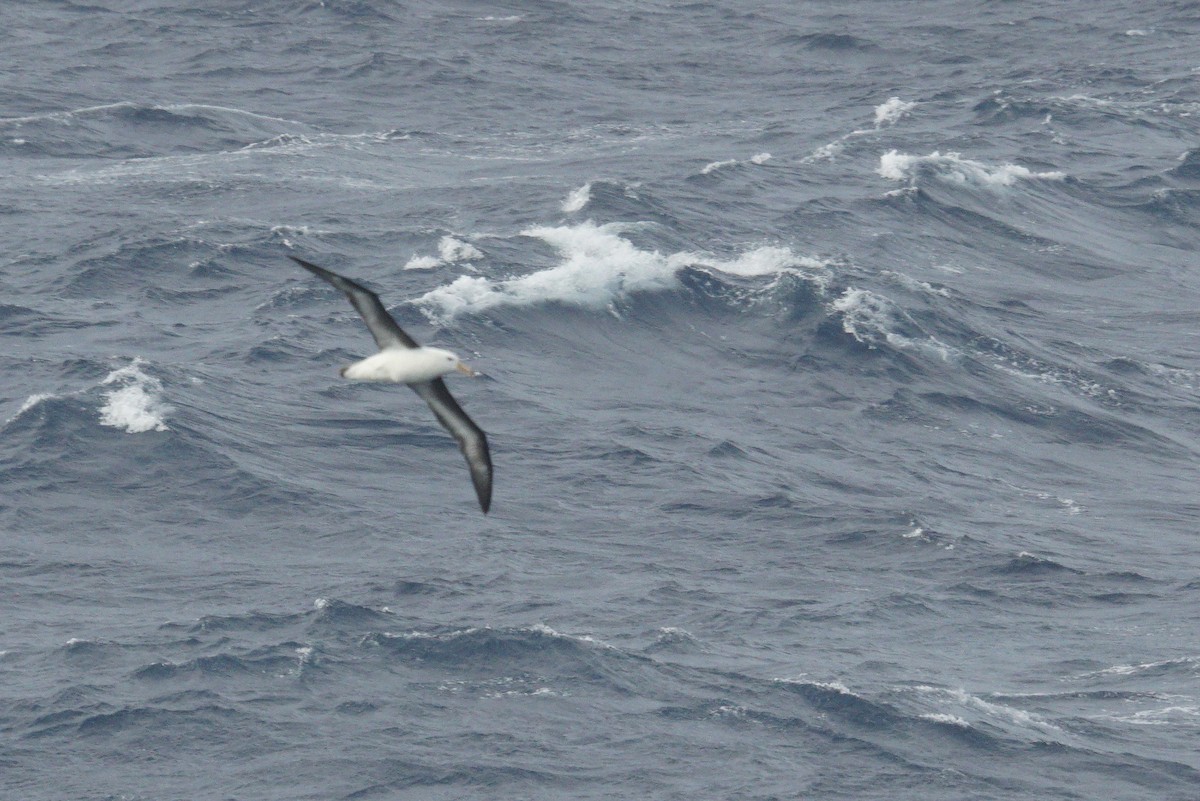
840,363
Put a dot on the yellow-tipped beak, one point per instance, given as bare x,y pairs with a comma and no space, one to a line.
462,368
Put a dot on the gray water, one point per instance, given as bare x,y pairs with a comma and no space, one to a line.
840,367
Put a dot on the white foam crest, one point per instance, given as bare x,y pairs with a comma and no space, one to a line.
455,250
915,285
450,251
65,116
890,112
833,686
30,402
673,635
1190,663
769,260
897,166
136,405
286,140
423,263
952,720
826,152
542,628
1170,715
599,266
757,159
871,319
578,199
994,711
717,165
886,113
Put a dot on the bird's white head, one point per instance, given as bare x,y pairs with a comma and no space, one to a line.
450,362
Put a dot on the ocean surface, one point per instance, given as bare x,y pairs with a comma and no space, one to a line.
840,363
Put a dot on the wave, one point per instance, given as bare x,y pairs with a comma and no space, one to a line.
129,130
757,160
578,199
450,251
952,167
873,320
966,710
599,267
131,400
887,114
135,404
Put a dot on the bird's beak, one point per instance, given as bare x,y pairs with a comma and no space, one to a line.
462,368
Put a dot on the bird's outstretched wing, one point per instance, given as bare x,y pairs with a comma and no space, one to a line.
471,439
385,330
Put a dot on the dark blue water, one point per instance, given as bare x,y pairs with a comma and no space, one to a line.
841,370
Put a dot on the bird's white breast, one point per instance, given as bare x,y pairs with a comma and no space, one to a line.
403,365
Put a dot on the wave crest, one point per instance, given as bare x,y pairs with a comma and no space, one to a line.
597,267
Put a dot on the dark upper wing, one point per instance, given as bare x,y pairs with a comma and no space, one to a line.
471,439
383,327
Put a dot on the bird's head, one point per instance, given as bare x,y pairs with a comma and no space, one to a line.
452,362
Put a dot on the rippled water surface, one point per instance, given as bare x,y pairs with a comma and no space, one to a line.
840,363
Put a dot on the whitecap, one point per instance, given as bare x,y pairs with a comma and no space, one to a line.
717,165
450,251
454,250
30,402
423,263
891,111
543,629
949,166
825,152
136,405
757,159
886,113
873,319
599,266
578,199
831,686
995,712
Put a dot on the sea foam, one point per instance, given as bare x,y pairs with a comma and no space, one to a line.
578,199
135,403
599,266
873,320
897,166
30,402
886,113
450,251
891,111
757,159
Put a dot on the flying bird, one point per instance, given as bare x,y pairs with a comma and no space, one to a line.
401,360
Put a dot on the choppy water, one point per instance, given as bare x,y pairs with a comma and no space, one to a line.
842,378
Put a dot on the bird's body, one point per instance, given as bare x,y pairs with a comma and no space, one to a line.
405,365
401,360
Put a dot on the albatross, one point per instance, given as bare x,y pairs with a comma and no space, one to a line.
401,360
